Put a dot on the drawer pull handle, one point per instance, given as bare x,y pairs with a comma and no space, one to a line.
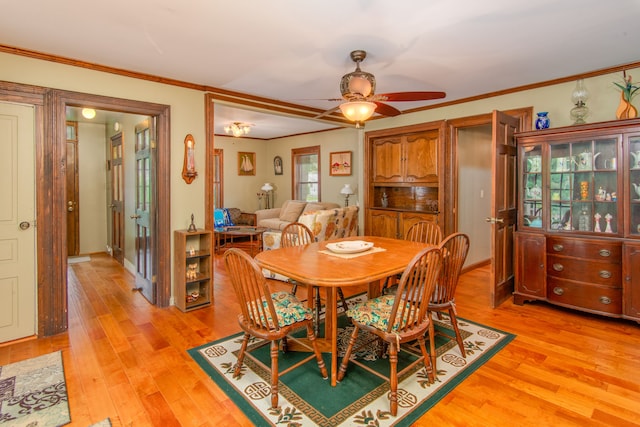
605,274
605,252
605,300
558,267
558,247
558,291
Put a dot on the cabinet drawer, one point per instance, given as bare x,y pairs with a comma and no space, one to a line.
583,295
581,248
583,270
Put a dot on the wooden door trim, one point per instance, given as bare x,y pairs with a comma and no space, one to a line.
50,115
525,115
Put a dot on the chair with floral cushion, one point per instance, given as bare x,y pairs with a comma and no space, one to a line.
400,318
298,234
269,316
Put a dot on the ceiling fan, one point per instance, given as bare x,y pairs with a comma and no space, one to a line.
358,90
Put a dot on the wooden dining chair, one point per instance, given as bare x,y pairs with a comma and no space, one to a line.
298,234
425,232
268,316
454,249
399,318
422,231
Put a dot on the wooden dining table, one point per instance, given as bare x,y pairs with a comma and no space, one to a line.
314,265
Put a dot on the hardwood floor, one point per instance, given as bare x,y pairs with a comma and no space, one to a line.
127,360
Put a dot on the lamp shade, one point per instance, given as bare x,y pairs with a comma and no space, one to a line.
267,187
346,190
358,111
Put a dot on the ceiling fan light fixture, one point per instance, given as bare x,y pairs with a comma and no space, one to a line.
358,111
237,129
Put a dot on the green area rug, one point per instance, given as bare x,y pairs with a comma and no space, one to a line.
34,393
361,398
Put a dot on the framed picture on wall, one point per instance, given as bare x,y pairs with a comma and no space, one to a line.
277,165
246,163
340,163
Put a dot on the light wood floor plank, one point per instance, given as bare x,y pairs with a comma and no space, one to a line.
127,360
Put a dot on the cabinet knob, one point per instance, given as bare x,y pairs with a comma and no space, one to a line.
605,300
605,252
605,274
558,247
558,267
558,291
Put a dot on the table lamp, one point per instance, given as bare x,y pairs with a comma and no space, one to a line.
267,188
346,191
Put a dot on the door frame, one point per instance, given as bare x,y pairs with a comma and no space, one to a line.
524,115
51,228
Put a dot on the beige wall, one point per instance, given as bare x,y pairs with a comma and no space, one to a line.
187,116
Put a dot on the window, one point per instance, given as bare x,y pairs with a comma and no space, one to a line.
306,173
217,178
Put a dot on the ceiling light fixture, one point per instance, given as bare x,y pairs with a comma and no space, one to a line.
358,111
88,113
238,129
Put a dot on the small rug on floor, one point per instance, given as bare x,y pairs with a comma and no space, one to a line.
33,392
305,399
78,259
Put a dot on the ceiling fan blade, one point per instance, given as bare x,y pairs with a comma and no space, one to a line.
386,109
327,112
411,96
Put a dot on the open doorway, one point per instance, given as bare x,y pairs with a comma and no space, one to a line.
103,201
483,191
474,191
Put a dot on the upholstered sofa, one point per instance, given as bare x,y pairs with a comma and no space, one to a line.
278,218
325,224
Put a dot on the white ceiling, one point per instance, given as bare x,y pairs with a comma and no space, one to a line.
296,51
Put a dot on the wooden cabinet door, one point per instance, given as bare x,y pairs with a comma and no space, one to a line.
383,223
530,267
407,219
387,160
631,281
420,157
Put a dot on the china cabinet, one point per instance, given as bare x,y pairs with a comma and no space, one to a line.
403,175
193,269
578,238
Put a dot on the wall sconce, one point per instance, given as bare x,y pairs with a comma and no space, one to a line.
267,188
189,164
346,191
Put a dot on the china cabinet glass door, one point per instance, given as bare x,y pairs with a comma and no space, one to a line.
634,185
532,186
583,186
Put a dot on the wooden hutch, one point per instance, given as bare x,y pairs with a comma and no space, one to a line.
578,239
403,178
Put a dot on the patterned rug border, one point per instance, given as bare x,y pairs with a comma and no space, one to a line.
51,398
257,416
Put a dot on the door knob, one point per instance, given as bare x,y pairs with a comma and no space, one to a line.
134,216
492,220
24,225
70,208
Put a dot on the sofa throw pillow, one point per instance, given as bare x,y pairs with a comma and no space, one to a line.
310,207
292,211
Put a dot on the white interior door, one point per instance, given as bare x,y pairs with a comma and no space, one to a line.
18,308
